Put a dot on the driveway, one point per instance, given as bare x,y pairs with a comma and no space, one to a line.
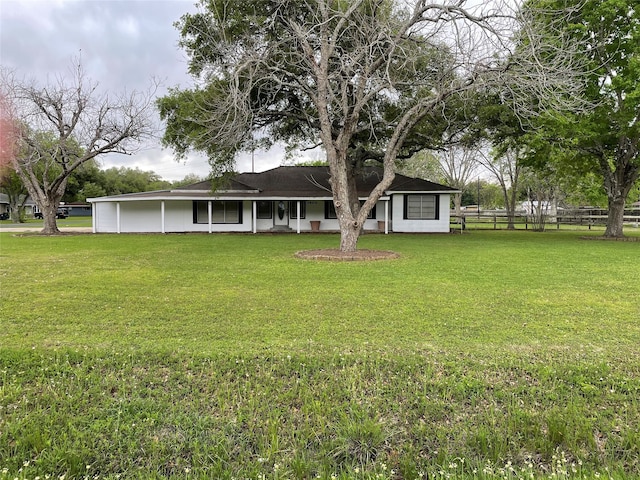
18,228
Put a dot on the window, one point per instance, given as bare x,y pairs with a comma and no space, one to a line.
330,210
221,212
265,209
421,207
293,209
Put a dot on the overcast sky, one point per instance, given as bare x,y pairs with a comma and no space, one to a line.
123,45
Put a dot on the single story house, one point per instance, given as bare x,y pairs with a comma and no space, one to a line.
292,198
29,205
4,203
77,209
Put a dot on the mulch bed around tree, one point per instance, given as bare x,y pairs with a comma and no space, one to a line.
334,254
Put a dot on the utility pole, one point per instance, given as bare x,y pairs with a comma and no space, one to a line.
478,197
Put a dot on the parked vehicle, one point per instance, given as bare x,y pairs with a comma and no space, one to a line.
60,213
4,216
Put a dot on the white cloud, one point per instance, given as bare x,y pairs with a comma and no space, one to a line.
128,26
123,45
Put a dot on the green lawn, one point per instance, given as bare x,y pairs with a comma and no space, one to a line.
487,355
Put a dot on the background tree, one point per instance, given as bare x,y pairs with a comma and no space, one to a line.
605,139
423,164
458,165
63,125
543,193
116,181
12,186
188,180
505,166
484,194
10,183
85,174
359,78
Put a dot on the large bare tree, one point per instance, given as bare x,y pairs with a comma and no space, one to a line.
359,78
57,127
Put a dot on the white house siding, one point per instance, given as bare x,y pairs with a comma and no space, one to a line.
139,217
146,217
178,216
402,225
104,217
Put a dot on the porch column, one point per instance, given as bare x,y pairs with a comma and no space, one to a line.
386,217
254,216
118,217
210,216
162,216
298,217
94,215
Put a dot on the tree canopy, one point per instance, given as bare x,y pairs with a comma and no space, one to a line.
364,79
603,137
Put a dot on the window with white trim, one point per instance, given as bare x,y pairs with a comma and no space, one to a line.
221,212
265,209
293,209
330,210
421,207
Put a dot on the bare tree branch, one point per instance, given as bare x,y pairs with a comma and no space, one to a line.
64,124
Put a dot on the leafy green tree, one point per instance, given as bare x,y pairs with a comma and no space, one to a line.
603,137
116,181
365,79
188,180
12,186
90,190
87,173
483,193
423,164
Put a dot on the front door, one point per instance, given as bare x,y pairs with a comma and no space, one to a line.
281,217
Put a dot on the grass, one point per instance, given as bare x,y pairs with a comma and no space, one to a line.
484,355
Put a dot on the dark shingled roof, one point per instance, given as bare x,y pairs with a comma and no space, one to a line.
285,182
303,182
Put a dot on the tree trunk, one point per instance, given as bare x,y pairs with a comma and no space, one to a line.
344,192
509,205
349,239
457,204
618,182
46,196
615,217
15,213
50,225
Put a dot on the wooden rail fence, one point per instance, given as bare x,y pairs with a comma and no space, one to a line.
577,220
